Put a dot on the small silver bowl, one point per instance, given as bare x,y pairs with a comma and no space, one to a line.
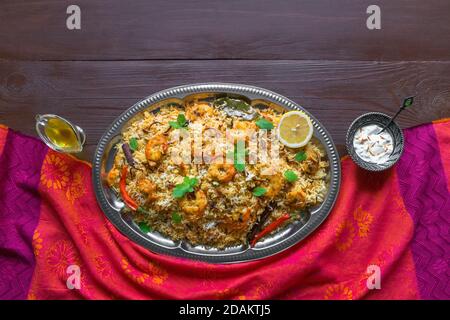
42,121
394,130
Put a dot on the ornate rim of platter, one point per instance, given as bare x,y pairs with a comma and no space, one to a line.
289,236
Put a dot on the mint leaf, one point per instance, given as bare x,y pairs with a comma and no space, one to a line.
264,124
259,191
145,228
133,144
290,176
180,123
239,156
179,191
186,180
240,167
186,186
181,120
192,181
300,156
174,124
176,217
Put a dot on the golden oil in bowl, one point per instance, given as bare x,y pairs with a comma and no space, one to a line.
60,134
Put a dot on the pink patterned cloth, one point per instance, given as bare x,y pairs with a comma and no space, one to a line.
423,180
19,210
396,220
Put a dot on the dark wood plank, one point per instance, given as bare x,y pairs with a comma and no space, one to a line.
93,94
217,29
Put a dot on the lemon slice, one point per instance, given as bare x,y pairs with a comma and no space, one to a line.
295,129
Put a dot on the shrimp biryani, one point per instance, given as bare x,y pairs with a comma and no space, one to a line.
221,203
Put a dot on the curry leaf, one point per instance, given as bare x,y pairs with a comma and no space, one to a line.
233,103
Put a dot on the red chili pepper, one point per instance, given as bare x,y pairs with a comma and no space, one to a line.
272,226
123,191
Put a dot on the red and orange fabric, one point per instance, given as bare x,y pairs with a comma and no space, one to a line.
397,220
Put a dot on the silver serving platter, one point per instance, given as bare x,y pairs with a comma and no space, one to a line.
112,206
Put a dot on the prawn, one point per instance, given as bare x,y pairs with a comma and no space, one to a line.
297,197
274,185
312,162
244,125
147,187
198,110
155,149
112,176
222,172
238,224
243,130
184,169
195,206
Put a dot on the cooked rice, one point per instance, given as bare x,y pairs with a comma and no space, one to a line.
232,209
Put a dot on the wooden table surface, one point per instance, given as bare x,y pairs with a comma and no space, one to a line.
317,53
